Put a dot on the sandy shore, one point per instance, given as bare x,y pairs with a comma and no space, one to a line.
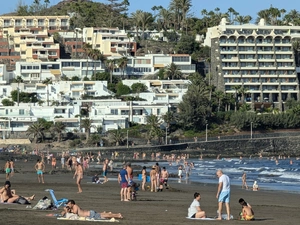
167,207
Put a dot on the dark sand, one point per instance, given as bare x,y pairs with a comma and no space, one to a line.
167,207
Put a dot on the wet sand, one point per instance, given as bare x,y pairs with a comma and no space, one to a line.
167,207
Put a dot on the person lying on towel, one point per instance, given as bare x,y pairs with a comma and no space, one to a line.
72,207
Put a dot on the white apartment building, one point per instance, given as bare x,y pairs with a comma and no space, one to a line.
162,91
151,63
62,91
33,72
258,57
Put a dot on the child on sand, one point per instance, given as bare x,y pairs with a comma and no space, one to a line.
247,212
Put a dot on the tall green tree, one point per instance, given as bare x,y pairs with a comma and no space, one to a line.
172,72
36,130
18,80
87,125
194,109
58,129
110,66
47,82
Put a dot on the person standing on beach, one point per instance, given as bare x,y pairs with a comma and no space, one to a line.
40,169
164,179
123,181
79,174
12,167
105,169
244,182
144,177
130,179
223,194
153,179
7,169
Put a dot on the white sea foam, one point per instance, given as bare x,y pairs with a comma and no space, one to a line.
290,176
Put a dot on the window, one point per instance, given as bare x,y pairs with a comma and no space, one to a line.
36,67
180,59
98,46
89,38
23,52
21,112
17,46
142,61
23,67
70,64
29,67
114,111
35,75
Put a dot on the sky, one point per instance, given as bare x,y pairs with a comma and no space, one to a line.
244,7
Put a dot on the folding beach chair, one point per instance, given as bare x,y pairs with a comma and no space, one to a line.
59,202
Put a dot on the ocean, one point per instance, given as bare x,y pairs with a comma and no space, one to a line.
280,176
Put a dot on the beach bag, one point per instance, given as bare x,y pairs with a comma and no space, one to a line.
23,201
43,204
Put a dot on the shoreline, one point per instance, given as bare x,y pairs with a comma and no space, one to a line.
167,208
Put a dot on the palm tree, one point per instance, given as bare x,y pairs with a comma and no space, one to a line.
243,91
231,12
97,55
18,80
236,88
47,81
165,18
274,13
36,130
168,118
86,124
47,2
144,19
153,121
185,6
264,14
110,66
172,72
219,95
58,128
87,48
122,64
116,136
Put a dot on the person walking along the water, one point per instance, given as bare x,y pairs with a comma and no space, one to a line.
244,182
223,194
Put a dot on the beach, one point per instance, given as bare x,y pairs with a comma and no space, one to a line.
167,207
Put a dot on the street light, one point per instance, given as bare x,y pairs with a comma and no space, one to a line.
206,133
251,130
166,135
127,139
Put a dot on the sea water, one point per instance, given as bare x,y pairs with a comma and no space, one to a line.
281,176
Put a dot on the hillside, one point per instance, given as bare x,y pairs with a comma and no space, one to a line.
84,13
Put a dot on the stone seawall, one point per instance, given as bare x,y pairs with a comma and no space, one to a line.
227,148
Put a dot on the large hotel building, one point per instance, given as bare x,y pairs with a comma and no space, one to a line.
258,57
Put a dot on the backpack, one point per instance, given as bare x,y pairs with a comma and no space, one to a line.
43,204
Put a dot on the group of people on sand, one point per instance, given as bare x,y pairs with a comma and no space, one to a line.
158,178
223,196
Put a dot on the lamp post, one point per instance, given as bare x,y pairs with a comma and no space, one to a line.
206,132
127,139
166,135
251,130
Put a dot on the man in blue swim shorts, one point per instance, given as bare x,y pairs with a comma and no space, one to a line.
223,194
40,167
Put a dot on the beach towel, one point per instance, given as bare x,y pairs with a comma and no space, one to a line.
112,220
224,217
